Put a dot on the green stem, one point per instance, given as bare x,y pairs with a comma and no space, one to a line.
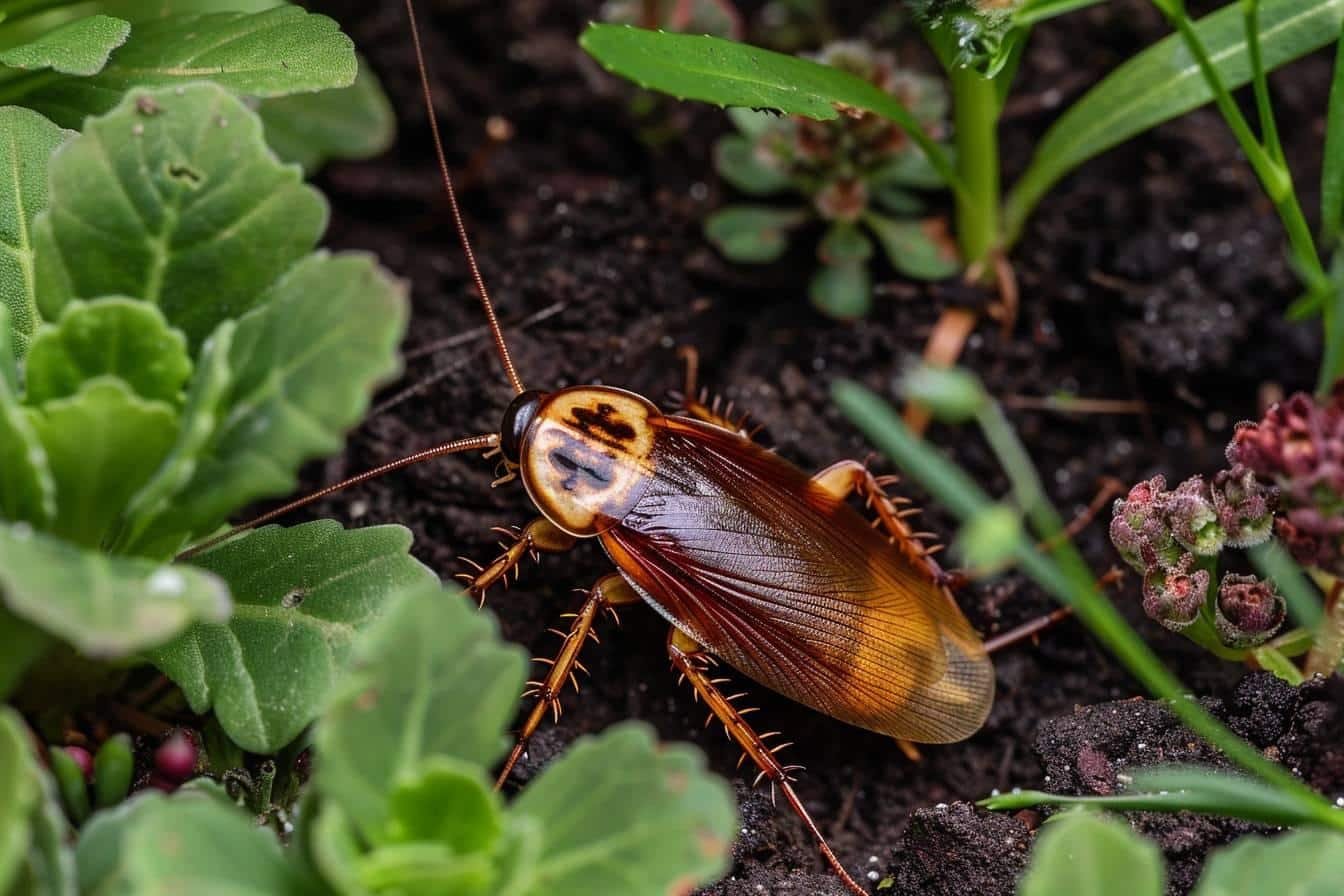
1269,129
976,107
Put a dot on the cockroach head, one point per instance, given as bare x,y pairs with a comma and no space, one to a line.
518,416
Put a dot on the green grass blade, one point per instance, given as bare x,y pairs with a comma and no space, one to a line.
1332,168
1163,82
1034,11
714,70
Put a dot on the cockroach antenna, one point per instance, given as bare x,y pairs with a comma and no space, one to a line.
509,370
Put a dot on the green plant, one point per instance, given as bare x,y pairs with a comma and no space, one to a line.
857,174
401,800
68,59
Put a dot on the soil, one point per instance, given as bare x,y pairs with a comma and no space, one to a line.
1155,274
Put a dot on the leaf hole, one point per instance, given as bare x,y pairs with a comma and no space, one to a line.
185,174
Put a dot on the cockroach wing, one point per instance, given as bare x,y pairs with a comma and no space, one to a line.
739,549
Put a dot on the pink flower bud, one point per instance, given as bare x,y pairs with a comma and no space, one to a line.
1138,529
83,758
176,757
1245,508
1193,521
1174,595
1249,611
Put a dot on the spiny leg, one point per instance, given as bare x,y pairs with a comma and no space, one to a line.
695,402
539,535
610,591
691,661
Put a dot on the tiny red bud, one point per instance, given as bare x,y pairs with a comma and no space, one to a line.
176,757
83,758
1249,611
1174,595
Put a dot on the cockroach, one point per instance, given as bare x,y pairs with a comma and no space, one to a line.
750,559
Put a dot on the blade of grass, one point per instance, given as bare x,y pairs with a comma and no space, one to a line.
1065,575
1332,167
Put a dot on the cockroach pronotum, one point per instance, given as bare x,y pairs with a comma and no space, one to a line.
750,559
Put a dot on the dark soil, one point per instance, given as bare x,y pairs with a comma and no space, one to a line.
1155,274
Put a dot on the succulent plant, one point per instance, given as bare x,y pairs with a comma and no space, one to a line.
1173,537
857,173
1299,445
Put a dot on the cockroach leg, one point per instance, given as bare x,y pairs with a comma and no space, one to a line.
692,662
695,402
539,535
610,590
848,477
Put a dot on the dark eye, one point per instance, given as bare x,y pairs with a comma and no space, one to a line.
517,418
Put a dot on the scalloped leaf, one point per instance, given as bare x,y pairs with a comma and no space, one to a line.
1305,862
1087,854
355,122
190,842
27,489
302,368
193,213
34,857
597,839
301,595
105,606
81,47
27,141
102,444
125,338
432,678
752,234
275,52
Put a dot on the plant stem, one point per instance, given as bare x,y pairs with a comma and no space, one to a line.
975,111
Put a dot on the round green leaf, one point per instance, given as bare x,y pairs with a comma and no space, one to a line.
597,837
447,801
1304,863
102,444
844,243
119,337
844,291
104,606
26,143
174,198
27,489
301,595
80,47
915,248
735,160
1085,854
432,678
752,234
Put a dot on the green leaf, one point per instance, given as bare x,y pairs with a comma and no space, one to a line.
918,249
355,122
174,198
720,71
27,489
1306,863
27,141
415,807
843,291
81,47
844,243
155,845
104,606
102,444
752,234
272,53
1163,82
1030,12
431,678
119,337
302,367
1085,854
596,838
735,160
1332,165
301,595
205,406
34,858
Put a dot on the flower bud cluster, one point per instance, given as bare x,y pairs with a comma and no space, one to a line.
1163,534
1299,446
